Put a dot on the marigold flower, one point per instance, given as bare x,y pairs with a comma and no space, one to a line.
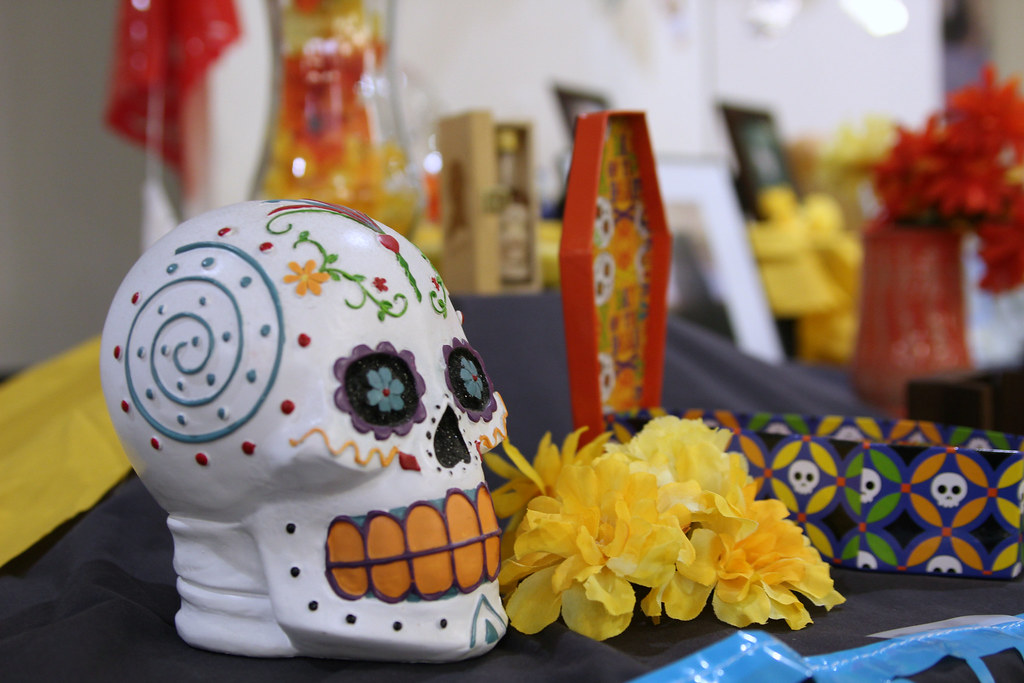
670,511
760,573
526,481
681,450
602,533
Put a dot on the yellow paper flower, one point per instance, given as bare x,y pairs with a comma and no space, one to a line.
681,450
670,510
307,277
583,549
526,480
759,574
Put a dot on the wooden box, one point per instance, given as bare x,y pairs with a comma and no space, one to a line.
983,399
489,210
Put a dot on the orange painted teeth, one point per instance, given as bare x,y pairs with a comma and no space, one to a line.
427,551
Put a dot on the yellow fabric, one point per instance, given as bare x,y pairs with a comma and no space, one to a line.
810,267
58,450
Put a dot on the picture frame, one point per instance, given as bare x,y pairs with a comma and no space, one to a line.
714,279
760,156
575,101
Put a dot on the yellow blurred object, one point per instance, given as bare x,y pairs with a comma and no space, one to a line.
846,162
810,266
429,237
857,150
549,233
58,451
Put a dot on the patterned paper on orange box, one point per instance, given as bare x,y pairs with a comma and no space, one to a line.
614,261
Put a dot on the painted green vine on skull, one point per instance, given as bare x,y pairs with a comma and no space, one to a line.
439,302
385,308
386,240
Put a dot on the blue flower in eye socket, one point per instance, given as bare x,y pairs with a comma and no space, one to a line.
471,377
386,393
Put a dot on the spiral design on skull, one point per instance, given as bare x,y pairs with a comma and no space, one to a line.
204,349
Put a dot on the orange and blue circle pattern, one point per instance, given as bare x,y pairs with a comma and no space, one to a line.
885,495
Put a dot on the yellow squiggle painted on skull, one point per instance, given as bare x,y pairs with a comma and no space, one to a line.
500,433
385,460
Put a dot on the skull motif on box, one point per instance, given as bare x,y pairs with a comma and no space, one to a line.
804,476
870,485
949,489
291,383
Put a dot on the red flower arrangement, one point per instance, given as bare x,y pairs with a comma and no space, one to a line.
964,171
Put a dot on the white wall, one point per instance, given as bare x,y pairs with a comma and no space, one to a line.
507,56
825,69
1004,22
69,227
822,71
71,189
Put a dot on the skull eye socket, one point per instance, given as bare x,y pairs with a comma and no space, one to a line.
468,381
380,389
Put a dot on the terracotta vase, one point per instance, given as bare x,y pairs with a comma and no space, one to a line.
912,315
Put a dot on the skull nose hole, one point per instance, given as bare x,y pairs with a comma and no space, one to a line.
449,448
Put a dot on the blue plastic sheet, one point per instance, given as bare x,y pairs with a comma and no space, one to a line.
757,656
745,656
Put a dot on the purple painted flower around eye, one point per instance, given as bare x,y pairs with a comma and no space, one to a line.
381,390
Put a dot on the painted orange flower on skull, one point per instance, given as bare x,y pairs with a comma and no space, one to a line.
306,278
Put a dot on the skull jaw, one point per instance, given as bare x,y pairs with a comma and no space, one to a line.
246,625
261,587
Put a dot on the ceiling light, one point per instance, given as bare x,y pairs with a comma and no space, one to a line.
878,17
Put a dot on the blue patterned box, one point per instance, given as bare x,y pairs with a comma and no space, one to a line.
884,495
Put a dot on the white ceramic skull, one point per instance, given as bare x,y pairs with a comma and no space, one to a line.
291,383
804,476
870,485
948,489
944,564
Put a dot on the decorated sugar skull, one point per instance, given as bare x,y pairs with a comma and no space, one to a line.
292,384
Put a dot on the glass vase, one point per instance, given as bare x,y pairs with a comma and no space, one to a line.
912,315
337,133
